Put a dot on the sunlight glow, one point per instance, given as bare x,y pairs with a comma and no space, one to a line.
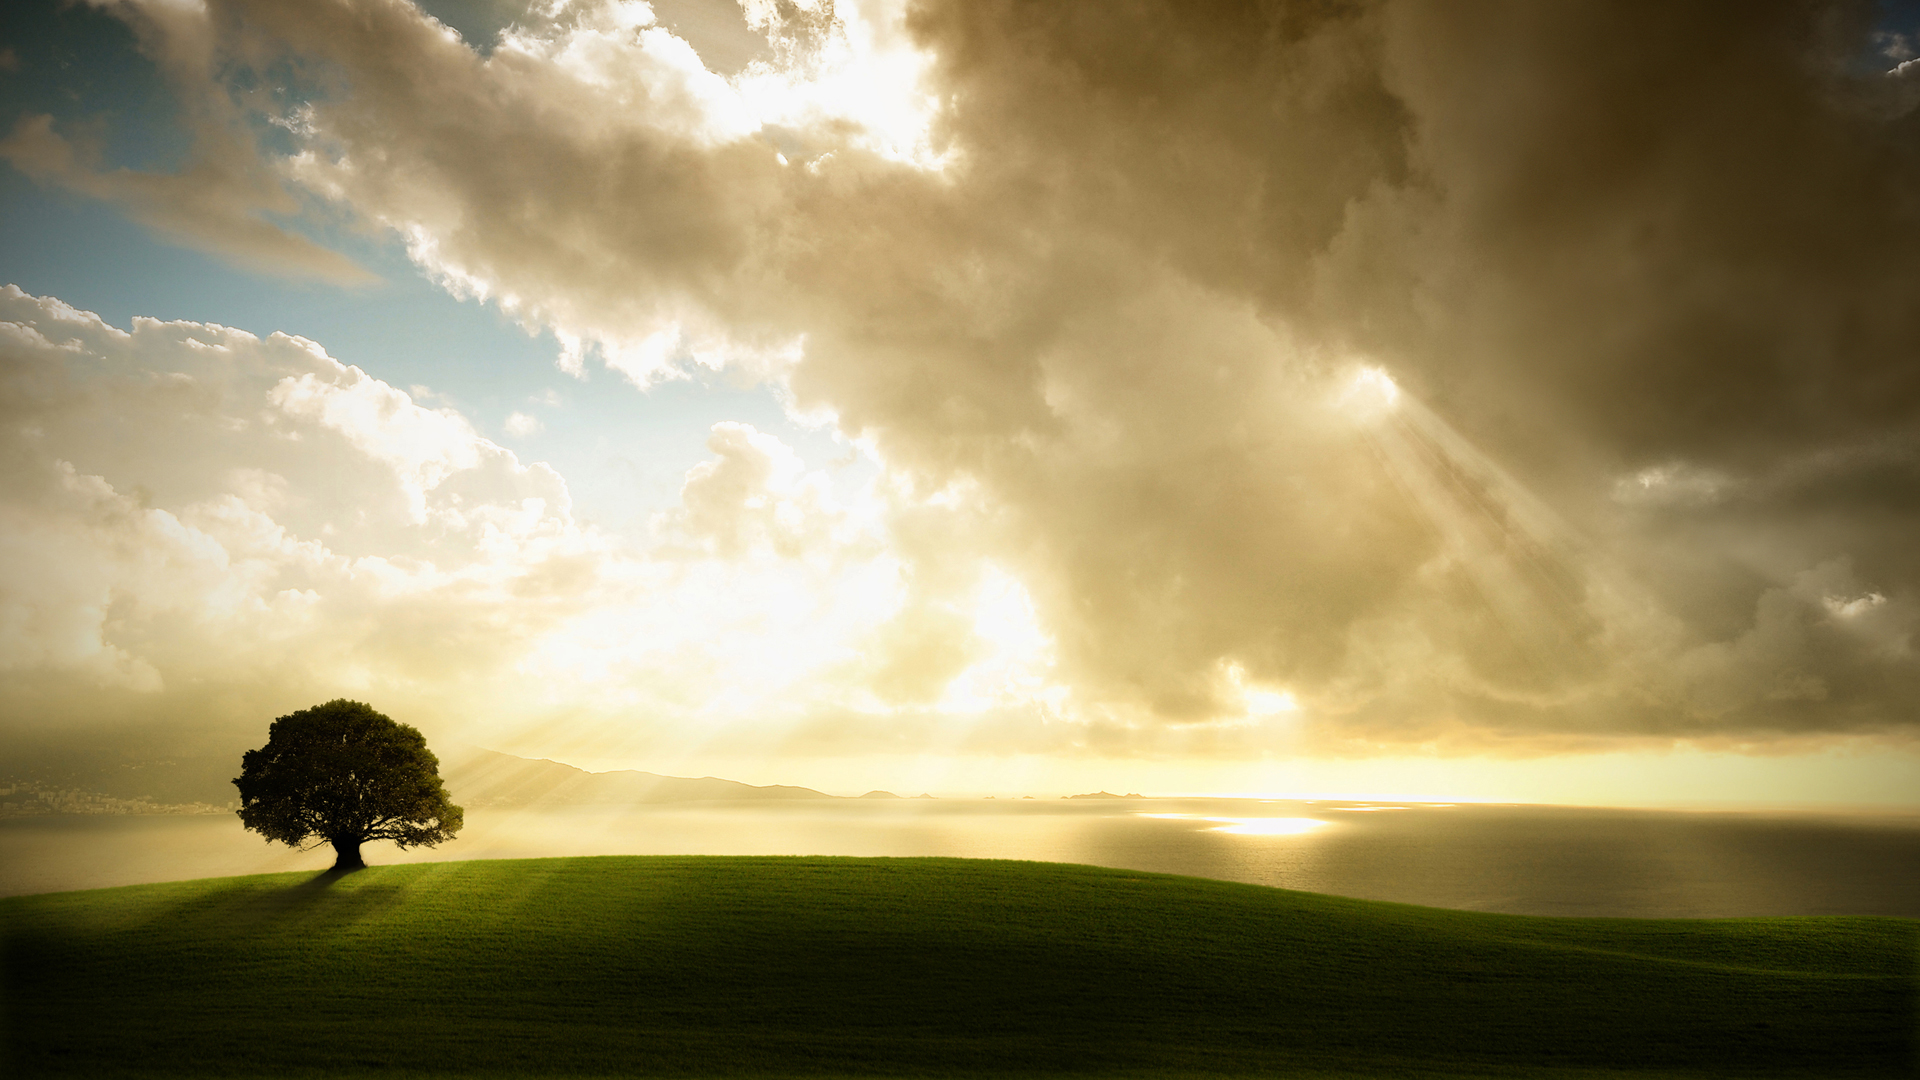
1842,608
1015,658
1260,701
1370,393
867,72
1268,703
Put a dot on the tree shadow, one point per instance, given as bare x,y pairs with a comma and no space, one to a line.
315,899
325,879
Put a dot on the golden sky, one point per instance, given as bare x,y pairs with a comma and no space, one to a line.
1405,398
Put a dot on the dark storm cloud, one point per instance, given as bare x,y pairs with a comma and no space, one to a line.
1689,229
1605,242
1598,239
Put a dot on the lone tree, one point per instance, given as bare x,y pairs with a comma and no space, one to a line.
344,774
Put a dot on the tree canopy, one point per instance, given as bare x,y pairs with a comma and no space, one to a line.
344,774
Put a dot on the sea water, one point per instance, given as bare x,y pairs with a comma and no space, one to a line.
1536,860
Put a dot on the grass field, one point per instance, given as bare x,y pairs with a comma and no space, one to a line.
693,967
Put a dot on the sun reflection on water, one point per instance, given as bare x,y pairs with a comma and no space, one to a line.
1250,826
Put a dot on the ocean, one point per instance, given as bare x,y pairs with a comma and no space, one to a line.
1533,860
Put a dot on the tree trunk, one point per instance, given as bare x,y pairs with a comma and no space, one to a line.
346,853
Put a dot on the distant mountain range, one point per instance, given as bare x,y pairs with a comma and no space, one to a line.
484,778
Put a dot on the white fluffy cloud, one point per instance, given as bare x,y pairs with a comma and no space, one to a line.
191,499
188,509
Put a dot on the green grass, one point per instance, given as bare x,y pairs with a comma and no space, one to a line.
690,967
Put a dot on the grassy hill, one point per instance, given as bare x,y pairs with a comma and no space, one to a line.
691,967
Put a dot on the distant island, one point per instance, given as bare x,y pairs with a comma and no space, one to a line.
1105,795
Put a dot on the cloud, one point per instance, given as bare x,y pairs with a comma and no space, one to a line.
223,199
757,496
212,206
1098,293
190,502
204,528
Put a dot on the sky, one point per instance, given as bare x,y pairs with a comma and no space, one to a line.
1402,399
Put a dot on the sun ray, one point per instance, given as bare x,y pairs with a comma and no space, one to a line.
1527,568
